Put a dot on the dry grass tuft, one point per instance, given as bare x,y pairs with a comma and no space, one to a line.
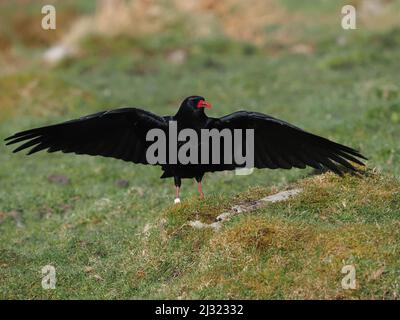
259,234
245,21
233,18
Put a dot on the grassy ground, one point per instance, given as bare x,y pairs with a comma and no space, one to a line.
108,239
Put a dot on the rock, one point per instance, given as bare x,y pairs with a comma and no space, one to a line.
281,196
56,54
177,57
238,209
122,183
200,225
59,179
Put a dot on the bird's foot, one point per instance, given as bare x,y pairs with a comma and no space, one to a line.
177,200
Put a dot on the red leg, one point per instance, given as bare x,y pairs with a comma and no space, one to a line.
200,188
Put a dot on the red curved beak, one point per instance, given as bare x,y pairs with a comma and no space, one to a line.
204,104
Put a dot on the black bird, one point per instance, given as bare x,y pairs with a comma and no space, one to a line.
121,133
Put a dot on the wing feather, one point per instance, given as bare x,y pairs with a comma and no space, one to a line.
279,144
119,133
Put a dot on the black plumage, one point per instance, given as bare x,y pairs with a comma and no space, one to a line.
121,134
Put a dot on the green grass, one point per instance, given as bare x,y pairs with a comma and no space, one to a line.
91,229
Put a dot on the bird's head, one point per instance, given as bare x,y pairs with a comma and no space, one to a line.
195,104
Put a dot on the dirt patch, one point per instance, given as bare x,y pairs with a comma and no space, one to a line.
236,19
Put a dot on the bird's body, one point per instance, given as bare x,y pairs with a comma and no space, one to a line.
122,134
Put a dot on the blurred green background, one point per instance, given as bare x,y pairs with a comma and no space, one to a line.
286,58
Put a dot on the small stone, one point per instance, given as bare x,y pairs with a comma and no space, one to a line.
177,56
56,54
59,179
281,196
200,225
238,209
224,216
122,183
